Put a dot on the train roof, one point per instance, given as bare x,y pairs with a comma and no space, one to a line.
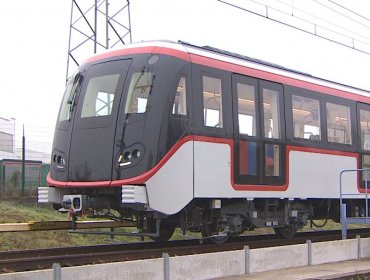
246,58
233,58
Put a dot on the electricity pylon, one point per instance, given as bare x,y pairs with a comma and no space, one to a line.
96,25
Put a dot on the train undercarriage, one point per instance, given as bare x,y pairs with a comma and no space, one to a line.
216,219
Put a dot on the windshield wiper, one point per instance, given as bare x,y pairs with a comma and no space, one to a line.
72,97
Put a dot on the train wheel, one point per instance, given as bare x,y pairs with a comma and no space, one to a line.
287,231
166,230
211,235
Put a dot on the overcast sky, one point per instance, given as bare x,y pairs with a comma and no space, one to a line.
34,45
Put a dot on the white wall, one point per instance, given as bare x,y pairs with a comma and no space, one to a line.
7,126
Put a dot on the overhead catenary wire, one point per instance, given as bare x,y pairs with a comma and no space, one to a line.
349,10
346,17
359,42
328,22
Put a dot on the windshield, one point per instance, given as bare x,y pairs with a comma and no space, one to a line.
99,96
72,87
139,92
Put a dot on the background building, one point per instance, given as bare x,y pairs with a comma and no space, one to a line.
37,161
7,138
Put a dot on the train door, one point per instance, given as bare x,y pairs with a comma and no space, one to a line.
94,126
363,113
259,133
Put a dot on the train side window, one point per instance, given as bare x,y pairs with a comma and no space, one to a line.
306,118
139,91
338,123
246,109
366,174
248,158
365,130
212,102
271,113
179,104
272,159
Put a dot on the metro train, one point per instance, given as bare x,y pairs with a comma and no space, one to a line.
172,135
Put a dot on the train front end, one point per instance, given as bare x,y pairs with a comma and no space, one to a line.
121,117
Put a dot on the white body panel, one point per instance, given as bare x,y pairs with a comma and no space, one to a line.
212,170
311,175
171,188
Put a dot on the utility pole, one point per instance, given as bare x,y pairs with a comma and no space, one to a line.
96,25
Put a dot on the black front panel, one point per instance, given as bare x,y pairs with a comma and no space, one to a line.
123,117
91,151
149,122
63,129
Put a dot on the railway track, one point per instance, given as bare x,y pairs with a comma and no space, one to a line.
12,261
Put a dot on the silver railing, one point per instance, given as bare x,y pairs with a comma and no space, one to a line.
344,220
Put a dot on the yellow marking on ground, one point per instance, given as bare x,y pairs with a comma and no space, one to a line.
61,225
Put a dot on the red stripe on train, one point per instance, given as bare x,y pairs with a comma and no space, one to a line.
143,178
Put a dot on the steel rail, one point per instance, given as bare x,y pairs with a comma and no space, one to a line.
11,261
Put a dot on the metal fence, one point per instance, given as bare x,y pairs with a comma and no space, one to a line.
24,158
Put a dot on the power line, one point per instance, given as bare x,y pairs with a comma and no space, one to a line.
327,21
353,12
358,44
345,16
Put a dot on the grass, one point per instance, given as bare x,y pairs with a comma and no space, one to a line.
13,212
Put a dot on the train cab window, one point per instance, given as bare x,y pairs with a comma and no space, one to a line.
365,129
99,96
271,114
72,87
212,102
246,109
179,104
338,123
139,91
306,118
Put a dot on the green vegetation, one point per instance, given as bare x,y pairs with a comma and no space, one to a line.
13,212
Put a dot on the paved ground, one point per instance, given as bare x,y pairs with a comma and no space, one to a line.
341,270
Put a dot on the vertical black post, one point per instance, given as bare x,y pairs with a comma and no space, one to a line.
23,162
3,176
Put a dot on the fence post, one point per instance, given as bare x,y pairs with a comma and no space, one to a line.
359,253
309,252
247,264
166,266
57,271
